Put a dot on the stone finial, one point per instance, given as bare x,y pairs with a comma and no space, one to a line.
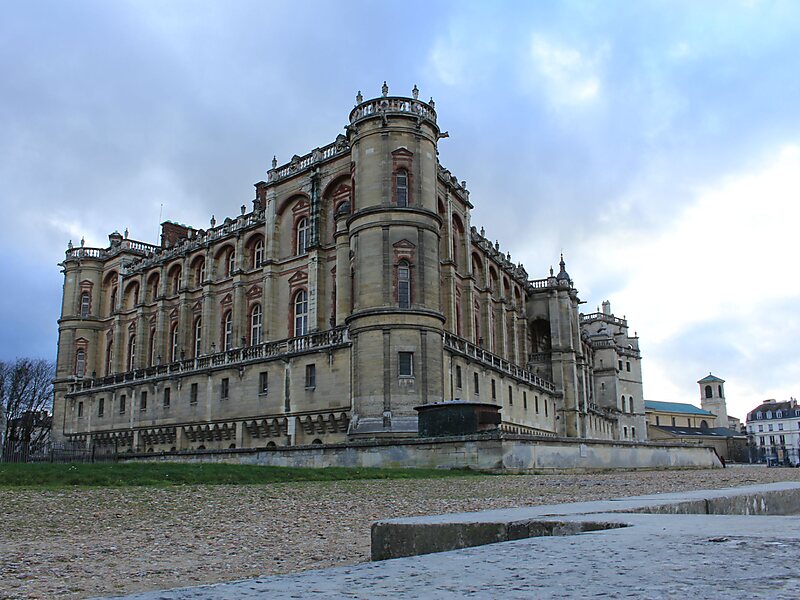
464,183
69,245
244,208
384,90
497,245
508,256
483,232
432,103
551,270
274,162
126,233
83,241
213,221
561,263
359,97
415,92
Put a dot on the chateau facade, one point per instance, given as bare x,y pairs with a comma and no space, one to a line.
355,289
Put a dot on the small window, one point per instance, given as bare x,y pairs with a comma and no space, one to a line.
624,432
545,407
143,402
231,263
628,366
673,421
84,305
633,432
620,365
536,404
769,427
494,390
401,188
657,420
224,389
406,364
476,383
263,382
101,407
403,285
525,400
122,400
311,376
80,409
167,398
302,236
761,428
80,363
709,393
193,394
510,396
458,377
719,389
258,254
780,426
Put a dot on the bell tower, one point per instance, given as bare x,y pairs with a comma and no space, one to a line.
396,321
712,398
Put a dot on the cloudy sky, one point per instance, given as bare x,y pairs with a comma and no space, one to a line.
657,144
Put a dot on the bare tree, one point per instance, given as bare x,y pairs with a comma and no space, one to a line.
26,396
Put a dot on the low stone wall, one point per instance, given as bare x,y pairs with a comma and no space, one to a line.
483,452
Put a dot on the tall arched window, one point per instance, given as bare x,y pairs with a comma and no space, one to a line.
301,313
109,356
403,285
200,273
709,392
131,352
401,187
302,235
227,331
85,305
80,362
258,254
231,262
255,325
719,389
623,404
176,281
173,352
198,336
113,302
152,360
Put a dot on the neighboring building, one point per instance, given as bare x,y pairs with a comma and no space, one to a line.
686,423
773,429
354,290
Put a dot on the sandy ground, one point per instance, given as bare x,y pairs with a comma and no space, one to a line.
105,541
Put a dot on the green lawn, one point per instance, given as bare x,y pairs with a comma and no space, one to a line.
165,474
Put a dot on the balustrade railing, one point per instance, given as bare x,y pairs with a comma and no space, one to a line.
300,163
234,357
477,353
598,316
392,104
538,283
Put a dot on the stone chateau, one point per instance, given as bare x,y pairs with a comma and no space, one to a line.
354,289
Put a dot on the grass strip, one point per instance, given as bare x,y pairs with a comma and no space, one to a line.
167,474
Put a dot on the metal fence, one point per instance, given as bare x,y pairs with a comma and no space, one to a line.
57,454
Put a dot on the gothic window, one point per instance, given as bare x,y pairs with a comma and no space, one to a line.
301,313
255,325
85,305
227,331
231,263
709,392
198,336
131,352
80,362
401,187
403,285
173,354
623,403
258,254
302,235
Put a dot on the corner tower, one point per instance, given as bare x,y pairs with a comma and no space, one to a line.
396,321
712,398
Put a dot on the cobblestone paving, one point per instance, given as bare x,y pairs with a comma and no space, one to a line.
84,543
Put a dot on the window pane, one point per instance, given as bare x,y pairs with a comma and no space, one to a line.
406,364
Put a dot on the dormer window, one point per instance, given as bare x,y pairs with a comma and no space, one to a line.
401,188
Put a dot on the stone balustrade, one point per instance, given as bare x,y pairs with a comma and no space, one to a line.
392,105
598,316
301,163
467,348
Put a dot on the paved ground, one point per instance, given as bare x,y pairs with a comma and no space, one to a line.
93,542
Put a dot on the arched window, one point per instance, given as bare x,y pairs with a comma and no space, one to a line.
176,281
200,272
113,303
231,262
227,331
302,235
198,336
719,389
80,362
109,356
131,352
709,392
301,313
258,254
173,352
85,305
401,187
403,285
152,346
623,404
255,325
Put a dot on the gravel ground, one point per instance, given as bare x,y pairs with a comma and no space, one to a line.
84,543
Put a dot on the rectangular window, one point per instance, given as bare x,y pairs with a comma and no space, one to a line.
167,398
406,364
122,404
263,382
101,407
782,440
628,366
224,388
780,426
536,404
494,390
143,401
770,427
458,377
673,421
510,396
633,432
475,382
545,407
193,394
525,400
657,420
620,365
311,377
761,428
80,409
